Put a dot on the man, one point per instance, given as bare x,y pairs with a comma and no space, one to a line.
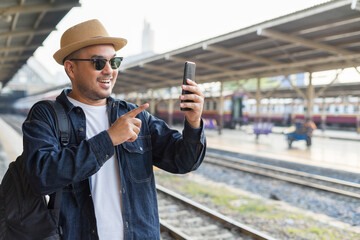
106,170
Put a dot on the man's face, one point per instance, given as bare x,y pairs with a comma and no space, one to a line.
91,86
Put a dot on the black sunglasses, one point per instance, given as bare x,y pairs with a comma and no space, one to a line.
99,63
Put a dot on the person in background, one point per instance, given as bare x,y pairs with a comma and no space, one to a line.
106,170
309,126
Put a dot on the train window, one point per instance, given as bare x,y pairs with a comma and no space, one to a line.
253,108
332,109
215,105
207,105
341,108
351,109
315,109
227,105
281,108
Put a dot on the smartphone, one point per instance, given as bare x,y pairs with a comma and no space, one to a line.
189,72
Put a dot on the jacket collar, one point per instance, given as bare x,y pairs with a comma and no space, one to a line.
62,98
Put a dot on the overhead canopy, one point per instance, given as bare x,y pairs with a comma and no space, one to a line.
322,37
24,25
331,91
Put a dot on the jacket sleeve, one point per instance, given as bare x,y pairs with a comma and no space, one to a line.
173,151
50,166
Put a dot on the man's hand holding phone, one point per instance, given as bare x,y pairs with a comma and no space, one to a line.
192,99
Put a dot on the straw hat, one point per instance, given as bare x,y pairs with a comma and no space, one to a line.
85,34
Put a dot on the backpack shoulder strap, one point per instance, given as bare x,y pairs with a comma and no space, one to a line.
62,125
61,120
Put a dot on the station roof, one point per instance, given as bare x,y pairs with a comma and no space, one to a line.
323,90
323,37
24,25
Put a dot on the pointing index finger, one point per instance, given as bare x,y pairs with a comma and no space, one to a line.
137,110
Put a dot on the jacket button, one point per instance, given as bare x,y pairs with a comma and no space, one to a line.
81,129
123,190
106,156
141,148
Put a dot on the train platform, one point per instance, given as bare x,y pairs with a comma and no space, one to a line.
330,149
10,146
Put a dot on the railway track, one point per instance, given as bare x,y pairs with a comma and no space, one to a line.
184,219
333,185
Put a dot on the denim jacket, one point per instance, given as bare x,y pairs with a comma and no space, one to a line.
50,167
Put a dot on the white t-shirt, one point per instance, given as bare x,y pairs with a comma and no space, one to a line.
105,184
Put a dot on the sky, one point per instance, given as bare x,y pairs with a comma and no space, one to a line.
175,23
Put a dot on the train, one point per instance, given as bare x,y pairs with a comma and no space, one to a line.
239,109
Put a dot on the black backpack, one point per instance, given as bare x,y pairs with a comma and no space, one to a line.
23,214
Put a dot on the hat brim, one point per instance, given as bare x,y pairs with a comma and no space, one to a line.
64,52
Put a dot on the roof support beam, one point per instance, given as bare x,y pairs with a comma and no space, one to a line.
303,95
134,81
163,69
322,90
301,41
200,64
14,58
342,23
268,94
241,85
2,66
18,48
38,8
146,75
26,32
130,86
240,55
302,66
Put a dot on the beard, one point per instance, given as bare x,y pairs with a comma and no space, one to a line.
96,92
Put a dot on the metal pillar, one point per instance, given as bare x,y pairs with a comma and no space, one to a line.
358,109
323,115
269,109
258,100
310,98
221,108
258,103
